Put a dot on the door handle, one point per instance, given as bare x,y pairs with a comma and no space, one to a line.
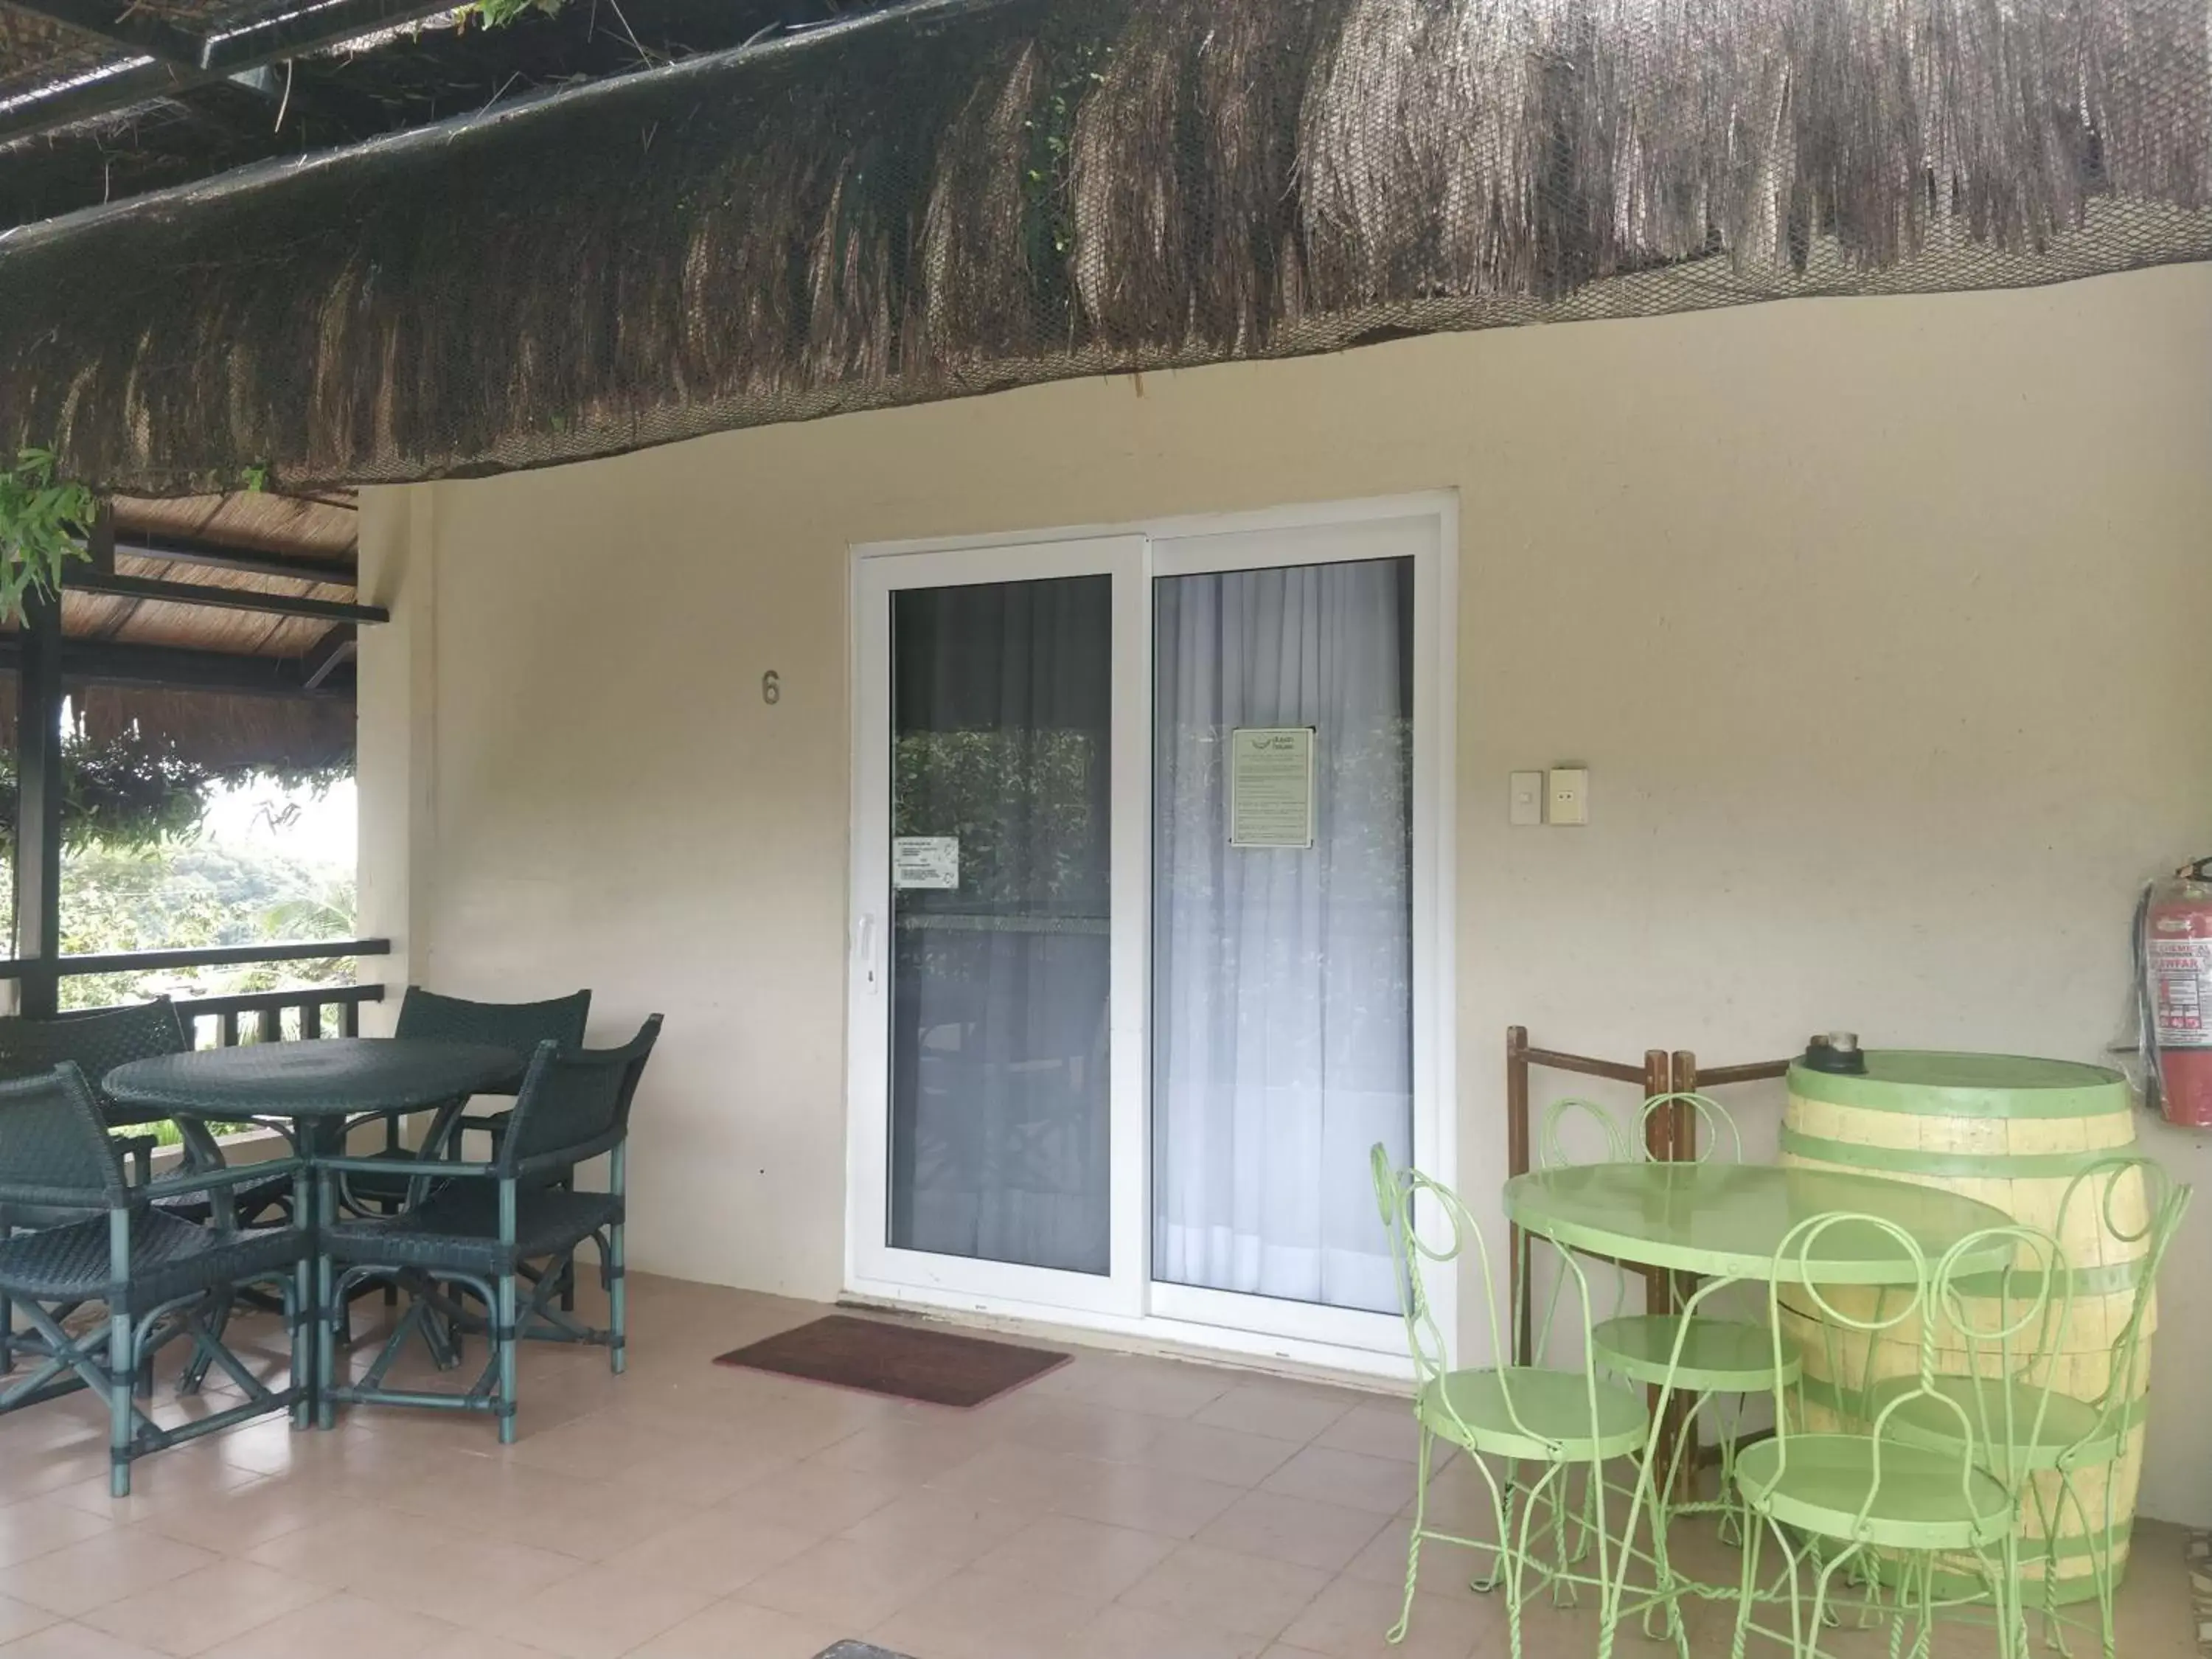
866,941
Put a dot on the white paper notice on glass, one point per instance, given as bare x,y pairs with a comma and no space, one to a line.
931,861
1271,786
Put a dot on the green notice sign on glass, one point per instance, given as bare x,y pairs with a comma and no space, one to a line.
1271,786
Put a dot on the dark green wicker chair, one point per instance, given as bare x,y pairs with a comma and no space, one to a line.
520,1026
97,1041
161,1278
495,1229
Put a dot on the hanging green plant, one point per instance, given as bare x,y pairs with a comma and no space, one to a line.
498,14
127,794
43,523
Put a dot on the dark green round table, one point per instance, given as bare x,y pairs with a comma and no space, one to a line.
310,1090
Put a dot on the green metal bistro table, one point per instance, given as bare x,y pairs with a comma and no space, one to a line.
308,1091
1725,1223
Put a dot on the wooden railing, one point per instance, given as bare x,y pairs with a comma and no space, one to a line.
299,1013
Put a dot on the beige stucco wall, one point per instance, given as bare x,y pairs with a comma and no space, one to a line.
1882,624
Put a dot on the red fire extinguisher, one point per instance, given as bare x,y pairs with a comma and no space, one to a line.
2174,963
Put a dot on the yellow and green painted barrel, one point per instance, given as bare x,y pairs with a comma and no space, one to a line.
2013,1132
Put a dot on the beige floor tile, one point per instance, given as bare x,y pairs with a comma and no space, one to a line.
1151,1500
20,1619
817,1498
38,1526
73,1641
1383,1429
907,1450
1282,1411
716,1552
1056,1424
1082,1560
195,1612
1324,1535
234,1522
183,1478
976,1616
1351,1478
1351,1619
1220,1589
735,1629
599,1613
854,1586
341,1626
596,1447
367,1544
1122,1631
943,1522
1229,1456
78,1578
1015,1475
1156,1388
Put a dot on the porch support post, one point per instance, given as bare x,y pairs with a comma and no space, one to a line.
39,805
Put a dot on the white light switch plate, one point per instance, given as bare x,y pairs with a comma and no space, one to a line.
1526,797
1569,801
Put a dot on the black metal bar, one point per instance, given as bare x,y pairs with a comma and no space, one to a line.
103,662
296,35
328,654
187,549
349,1015
269,1025
39,788
222,598
227,1031
120,23
213,955
311,1020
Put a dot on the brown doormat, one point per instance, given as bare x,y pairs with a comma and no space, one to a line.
908,1361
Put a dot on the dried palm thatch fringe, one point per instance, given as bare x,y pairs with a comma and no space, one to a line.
968,194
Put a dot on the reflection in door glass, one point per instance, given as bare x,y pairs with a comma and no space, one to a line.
1000,790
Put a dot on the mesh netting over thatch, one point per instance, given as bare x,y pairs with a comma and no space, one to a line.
970,194
227,734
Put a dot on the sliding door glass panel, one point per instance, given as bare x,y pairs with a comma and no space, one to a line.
1001,698
1282,974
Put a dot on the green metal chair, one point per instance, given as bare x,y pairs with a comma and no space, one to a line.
520,1026
160,1278
1934,1482
1714,1364
2054,1439
494,1228
97,1041
1562,1421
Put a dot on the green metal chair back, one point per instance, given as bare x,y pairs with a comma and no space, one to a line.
1402,1196
1719,1128
520,1026
573,1104
2125,1201
1943,1311
1715,1127
54,1151
2006,1326
97,1041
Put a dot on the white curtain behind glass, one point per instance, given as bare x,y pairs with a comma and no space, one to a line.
1282,1015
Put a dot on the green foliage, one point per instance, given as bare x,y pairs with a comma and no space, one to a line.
131,793
498,14
198,896
43,523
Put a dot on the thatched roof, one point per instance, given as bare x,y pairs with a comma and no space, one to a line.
119,649
959,195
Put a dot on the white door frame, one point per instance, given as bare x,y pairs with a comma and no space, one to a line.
1125,1301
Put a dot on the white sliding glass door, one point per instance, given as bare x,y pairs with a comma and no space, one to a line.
1146,876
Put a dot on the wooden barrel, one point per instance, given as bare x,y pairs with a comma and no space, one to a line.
2013,1132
